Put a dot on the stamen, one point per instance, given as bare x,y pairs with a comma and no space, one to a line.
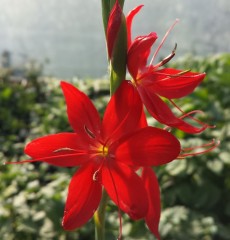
163,40
186,152
95,175
167,75
180,73
167,59
90,134
64,149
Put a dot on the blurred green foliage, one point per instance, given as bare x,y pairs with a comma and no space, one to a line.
195,191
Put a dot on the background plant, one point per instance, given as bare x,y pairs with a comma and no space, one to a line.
195,192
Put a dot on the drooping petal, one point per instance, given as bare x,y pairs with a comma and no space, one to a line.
138,53
151,185
126,189
114,23
129,20
161,112
172,83
148,147
62,149
123,112
81,112
84,195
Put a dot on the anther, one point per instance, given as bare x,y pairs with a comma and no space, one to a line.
180,73
63,149
168,58
95,175
90,134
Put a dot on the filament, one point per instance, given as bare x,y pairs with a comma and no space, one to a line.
163,40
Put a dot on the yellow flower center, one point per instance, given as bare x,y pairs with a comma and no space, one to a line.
136,82
103,150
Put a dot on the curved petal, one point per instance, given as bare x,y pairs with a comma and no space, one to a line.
148,147
152,218
123,112
81,112
84,195
172,83
63,149
126,189
161,112
129,20
138,53
113,27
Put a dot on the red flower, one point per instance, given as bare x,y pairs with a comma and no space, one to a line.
152,82
107,151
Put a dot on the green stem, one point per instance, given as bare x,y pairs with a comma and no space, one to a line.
99,217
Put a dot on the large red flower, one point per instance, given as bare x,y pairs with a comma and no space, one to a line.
152,82
107,151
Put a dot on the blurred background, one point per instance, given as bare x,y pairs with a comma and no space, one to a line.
44,41
68,36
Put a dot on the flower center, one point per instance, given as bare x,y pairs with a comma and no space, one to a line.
103,150
136,82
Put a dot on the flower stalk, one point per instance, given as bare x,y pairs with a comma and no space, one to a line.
116,38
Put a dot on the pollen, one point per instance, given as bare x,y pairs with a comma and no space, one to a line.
103,150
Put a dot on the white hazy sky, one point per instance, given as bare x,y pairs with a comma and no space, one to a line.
69,33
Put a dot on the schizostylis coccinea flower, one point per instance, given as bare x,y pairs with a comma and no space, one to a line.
106,152
154,82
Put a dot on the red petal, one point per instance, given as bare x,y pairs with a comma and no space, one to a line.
151,185
143,121
81,112
139,52
63,149
148,146
84,196
170,84
48,145
126,189
129,20
113,27
161,112
123,112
